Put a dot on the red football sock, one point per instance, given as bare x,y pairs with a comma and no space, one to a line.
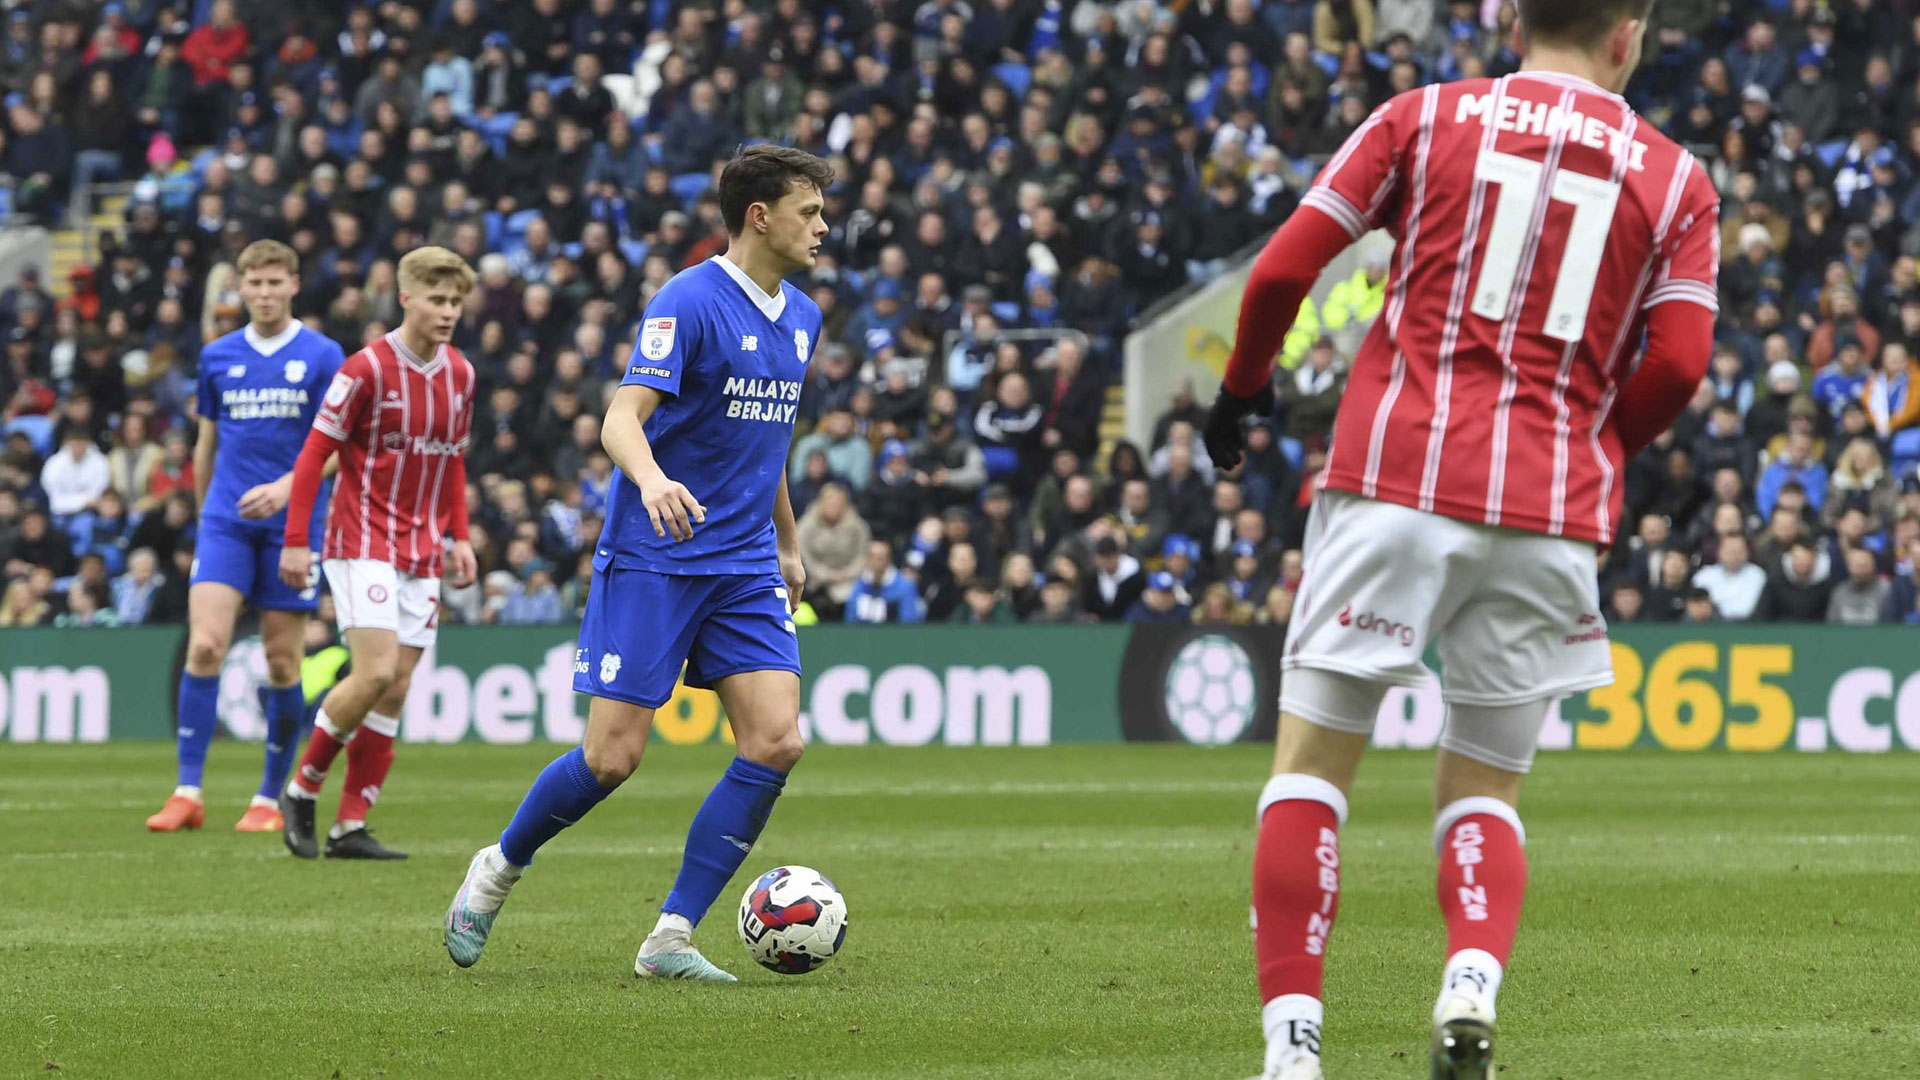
1296,882
1483,875
369,757
322,747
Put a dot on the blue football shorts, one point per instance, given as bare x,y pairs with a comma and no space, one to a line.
640,627
246,557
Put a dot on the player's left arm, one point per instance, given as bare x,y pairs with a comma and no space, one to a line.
1350,197
1680,309
787,539
462,565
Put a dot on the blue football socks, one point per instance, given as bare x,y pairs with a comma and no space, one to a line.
199,714
723,833
561,795
285,707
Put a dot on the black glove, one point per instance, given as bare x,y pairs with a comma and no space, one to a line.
1224,436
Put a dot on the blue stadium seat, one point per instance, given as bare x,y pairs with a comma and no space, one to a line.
1829,152
37,429
635,251
1906,450
1006,311
1017,77
516,225
1294,451
688,187
496,227
558,84
496,130
6,203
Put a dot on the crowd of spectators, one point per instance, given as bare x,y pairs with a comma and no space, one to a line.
1018,180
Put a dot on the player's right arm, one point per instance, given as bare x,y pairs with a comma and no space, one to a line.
670,506
349,397
1345,202
207,406
205,446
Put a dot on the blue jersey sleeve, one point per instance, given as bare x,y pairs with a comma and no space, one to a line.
668,336
206,403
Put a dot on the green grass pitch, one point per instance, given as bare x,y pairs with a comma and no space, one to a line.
1072,912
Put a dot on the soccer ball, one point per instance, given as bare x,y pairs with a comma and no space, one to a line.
1209,693
792,920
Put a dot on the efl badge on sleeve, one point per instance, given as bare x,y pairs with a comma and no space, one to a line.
656,338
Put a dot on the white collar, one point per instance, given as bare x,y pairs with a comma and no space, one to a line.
1578,82
266,346
770,306
407,355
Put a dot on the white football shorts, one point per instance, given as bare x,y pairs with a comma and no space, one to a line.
1514,616
369,594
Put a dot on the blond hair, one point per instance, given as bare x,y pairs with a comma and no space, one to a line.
262,254
428,267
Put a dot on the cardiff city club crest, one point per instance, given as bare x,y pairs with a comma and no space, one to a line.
800,345
296,370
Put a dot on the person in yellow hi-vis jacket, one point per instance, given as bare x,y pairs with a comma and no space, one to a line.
1300,338
1353,304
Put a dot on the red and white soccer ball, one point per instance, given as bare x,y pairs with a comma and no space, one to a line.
792,920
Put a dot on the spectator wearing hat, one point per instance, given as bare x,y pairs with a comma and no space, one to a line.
1841,372
895,501
1768,416
1811,101
1753,270
1113,583
1159,603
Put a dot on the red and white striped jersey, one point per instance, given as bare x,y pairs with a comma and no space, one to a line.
403,421
1537,221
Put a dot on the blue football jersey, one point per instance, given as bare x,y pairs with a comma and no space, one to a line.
261,394
731,360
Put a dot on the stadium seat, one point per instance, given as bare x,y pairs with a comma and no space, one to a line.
1906,450
496,228
1294,451
6,203
516,225
1829,153
37,429
688,187
558,84
1006,311
1017,77
634,251
496,129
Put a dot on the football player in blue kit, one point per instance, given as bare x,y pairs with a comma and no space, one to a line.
259,389
698,563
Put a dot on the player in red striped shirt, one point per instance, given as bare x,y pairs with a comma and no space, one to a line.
1550,307
400,415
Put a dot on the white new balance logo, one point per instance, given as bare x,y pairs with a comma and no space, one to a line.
749,343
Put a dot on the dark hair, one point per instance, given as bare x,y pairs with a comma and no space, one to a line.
765,173
1578,23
